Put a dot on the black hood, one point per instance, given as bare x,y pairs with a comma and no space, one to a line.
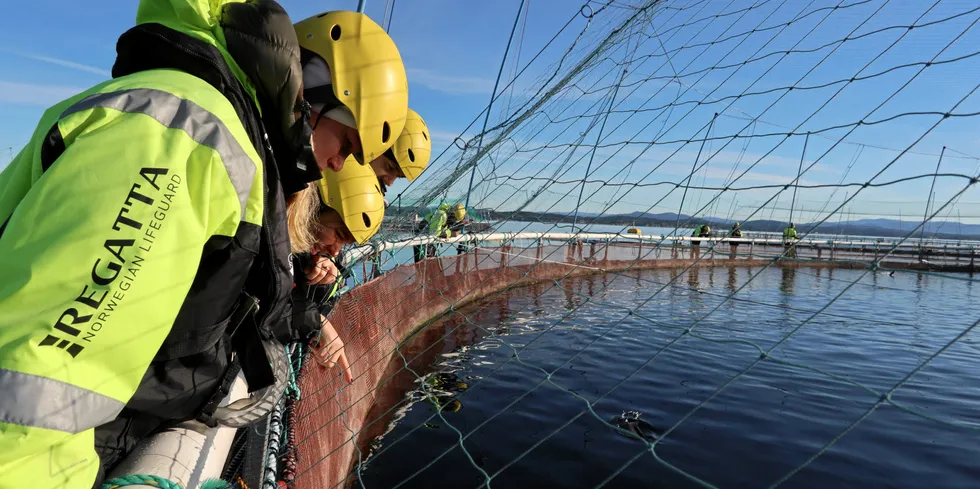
260,37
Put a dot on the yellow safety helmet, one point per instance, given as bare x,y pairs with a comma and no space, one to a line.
459,211
354,193
366,72
413,148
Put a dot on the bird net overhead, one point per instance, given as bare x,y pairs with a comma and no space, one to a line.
672,115
730,109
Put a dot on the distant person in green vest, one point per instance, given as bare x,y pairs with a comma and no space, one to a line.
435,223
438,220
702,231
789,236
736,232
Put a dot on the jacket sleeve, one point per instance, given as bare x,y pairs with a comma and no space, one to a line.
305,317
96,259
437,224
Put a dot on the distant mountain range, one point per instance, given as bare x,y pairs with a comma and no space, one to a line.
862,227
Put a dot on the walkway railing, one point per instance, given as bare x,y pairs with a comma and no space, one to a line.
901,254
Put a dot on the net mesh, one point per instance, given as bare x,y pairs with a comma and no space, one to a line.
673,115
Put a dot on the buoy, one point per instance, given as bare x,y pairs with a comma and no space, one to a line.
633,231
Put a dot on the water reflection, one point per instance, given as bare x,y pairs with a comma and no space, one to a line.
787,284
731,280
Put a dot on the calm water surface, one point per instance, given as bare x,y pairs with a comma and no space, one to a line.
480,374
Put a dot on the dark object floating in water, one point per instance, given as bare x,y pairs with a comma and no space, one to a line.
440,390
631,423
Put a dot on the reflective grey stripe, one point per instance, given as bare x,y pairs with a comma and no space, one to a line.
40,402
177,113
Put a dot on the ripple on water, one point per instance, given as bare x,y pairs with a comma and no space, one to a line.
749,432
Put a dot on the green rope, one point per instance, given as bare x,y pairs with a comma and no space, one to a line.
161,482
142,480
291,382
216,484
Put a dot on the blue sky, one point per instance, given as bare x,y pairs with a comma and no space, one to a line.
452,51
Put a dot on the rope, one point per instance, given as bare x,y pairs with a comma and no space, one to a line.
142,480
164,483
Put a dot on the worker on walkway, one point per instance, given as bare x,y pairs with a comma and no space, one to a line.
701,231
736,232
435,223
789,238
438,220
147,212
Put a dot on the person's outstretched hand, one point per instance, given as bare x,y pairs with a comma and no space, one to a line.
323,271
330,351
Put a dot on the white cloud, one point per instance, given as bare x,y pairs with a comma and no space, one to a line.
61,62
454,84
70,64
35,94
447,136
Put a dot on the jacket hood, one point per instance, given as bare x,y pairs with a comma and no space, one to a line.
200,19
261,54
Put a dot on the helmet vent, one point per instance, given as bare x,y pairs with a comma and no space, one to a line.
411,155
385,132
335,32
367,220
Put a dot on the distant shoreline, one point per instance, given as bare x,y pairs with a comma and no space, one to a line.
724,224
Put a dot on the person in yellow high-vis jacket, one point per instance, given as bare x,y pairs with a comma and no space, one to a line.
146,211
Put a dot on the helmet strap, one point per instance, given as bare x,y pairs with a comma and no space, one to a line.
294,152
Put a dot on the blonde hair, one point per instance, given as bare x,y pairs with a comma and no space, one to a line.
302,212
